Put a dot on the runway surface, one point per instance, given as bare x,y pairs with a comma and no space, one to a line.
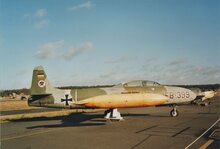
29,111
142,128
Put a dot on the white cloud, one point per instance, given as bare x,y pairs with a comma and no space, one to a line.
48,50
121,59
86,5
37,19
41,13
178,62
72,52
41,23
180,72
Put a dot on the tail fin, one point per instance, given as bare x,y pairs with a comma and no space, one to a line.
40,84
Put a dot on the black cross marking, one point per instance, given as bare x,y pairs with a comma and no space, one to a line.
66,100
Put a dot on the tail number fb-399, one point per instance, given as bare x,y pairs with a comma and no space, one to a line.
171,95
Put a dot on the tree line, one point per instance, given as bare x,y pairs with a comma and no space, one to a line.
25,91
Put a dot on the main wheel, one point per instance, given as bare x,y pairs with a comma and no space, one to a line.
174,113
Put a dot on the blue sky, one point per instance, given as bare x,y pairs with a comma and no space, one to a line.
92,42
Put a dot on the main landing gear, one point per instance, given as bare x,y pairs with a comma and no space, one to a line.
174,112
113,114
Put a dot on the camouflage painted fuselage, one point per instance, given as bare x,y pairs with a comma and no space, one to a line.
131,94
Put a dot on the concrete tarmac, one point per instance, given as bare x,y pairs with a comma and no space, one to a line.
141,128
29,111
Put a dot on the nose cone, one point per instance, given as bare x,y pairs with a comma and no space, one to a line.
192,94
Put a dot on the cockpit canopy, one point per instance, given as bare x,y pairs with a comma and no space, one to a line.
140,83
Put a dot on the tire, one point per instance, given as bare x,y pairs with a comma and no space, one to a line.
174,113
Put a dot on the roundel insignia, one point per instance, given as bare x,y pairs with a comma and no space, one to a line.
41,83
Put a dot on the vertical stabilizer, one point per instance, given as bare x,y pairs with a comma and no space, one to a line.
40,84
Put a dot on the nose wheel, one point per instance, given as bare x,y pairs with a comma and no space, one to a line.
174,112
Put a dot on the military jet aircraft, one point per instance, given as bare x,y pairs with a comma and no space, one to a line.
140,93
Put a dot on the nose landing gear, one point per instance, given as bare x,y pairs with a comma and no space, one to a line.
174,112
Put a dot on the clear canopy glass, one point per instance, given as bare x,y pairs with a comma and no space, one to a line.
140,83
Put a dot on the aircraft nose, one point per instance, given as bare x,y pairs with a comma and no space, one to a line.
192,95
